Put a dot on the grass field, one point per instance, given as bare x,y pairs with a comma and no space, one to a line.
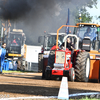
86,99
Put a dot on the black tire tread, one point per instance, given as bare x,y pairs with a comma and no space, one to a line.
80,71
51,58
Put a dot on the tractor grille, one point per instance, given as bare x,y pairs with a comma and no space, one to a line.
60,57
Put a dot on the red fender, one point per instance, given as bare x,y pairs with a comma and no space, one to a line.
54,47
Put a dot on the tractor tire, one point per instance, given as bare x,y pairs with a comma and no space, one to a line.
82,67
47,76
51,58
47,73
72,75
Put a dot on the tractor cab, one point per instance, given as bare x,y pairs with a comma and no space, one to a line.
49,40
88,35
15,42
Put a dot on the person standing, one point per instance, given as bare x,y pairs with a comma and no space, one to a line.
2,55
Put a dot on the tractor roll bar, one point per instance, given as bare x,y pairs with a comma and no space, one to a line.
59,30
72,35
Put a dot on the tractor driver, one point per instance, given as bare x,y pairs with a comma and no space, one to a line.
14,42
69,45
88,32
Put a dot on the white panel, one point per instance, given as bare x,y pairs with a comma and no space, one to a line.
32,53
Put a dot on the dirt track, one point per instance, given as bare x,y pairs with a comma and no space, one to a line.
31,84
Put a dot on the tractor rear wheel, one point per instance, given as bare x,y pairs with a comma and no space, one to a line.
82,67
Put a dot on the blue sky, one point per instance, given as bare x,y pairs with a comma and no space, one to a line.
95,12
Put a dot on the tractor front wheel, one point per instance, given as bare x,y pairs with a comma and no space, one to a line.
48,73
72,74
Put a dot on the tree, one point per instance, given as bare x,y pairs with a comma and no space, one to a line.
85,15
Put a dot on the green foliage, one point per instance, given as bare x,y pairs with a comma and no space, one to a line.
85,15
92,3
98,17
86,98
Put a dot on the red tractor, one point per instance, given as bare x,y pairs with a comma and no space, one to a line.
59,61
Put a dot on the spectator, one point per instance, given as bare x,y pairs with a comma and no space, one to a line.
4,45
2,57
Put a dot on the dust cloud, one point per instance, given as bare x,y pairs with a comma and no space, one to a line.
37,16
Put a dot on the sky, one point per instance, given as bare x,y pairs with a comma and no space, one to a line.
95,12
